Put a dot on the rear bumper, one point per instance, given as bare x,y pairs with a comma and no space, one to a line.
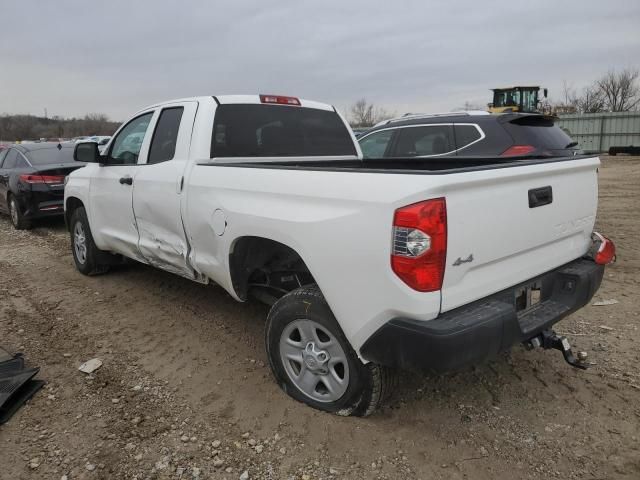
480,330
41,203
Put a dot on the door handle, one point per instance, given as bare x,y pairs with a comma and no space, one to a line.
126,180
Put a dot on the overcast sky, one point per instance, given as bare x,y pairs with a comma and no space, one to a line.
115,57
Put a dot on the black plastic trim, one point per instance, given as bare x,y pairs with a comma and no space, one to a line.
470,334
368,165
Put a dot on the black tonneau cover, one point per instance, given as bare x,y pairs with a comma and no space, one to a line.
411,165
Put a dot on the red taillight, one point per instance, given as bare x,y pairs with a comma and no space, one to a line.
279,99
517,150
420,244
48,179
606,252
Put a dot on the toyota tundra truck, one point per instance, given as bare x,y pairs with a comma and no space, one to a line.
369,265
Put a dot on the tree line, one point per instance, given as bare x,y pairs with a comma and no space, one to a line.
30,127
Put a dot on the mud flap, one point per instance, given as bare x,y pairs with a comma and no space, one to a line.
16,386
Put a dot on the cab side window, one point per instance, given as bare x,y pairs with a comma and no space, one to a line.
3,153
375,145
165,136
128,143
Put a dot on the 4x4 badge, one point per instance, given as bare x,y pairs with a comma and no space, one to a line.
460,260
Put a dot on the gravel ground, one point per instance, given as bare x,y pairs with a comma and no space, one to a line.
185,391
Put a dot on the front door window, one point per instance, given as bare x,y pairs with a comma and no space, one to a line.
128,143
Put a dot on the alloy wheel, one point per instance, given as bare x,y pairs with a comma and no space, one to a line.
13,210
314,360
80,243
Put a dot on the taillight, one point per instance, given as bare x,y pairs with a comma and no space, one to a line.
517,150
606,252
280,99
419,247
48,179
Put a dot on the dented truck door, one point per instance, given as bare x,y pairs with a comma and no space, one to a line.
113,224
158,190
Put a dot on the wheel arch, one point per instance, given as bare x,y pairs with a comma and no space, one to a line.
265,268
71,204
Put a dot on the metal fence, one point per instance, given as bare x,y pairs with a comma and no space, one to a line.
596,132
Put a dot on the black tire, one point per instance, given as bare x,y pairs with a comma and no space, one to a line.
93,261
16,215
368,384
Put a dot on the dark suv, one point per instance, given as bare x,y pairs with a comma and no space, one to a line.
467,134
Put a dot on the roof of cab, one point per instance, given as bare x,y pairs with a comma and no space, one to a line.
238,99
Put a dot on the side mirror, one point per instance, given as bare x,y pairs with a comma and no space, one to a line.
86,152
545,91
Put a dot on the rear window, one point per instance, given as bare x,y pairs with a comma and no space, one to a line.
248,130
50,155
539,132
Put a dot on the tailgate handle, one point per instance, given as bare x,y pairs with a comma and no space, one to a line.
540,196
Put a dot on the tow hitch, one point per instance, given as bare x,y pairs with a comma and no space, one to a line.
550,339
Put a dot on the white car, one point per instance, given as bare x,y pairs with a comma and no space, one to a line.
368,264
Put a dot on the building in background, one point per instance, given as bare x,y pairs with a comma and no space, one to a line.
603,132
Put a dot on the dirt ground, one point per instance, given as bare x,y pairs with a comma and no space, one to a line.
185,390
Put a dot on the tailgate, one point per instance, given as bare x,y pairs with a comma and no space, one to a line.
508,225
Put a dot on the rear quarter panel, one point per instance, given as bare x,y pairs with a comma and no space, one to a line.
339,223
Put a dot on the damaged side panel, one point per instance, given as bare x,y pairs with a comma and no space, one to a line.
158,196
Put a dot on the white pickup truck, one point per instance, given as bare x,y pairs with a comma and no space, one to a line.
369,265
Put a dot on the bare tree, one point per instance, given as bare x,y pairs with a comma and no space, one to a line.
620,90
470,106
365,114
591,100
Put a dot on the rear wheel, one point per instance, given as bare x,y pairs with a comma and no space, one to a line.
17,216
86,255
313,361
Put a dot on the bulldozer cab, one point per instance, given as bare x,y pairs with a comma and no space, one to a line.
516,99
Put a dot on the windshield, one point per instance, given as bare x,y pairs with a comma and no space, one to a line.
256,130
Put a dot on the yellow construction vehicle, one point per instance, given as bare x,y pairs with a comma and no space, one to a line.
517,99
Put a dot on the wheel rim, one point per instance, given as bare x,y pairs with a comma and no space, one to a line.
80,243
15,215
314,360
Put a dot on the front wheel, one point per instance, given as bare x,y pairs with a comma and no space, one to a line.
313,361
86,255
